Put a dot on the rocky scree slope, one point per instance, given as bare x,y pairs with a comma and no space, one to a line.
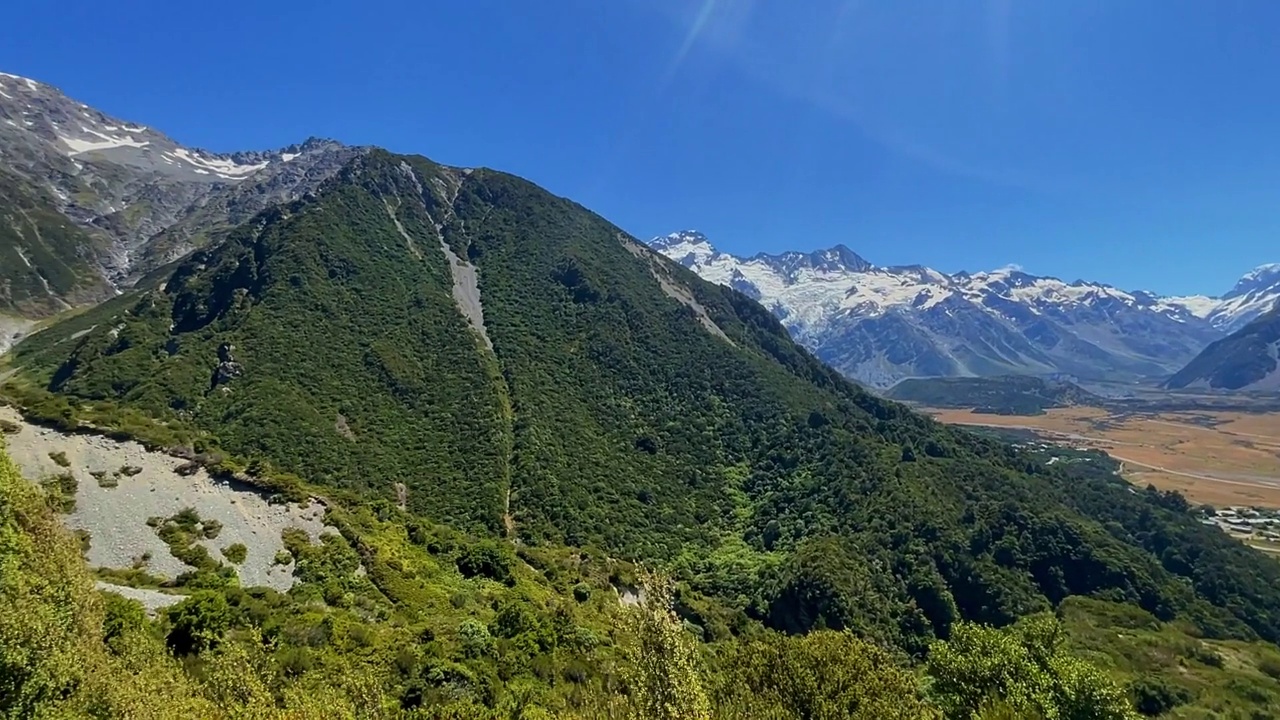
1245,360
139,198
466,345
882,324
121,485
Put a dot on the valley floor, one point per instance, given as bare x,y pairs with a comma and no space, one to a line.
1214,457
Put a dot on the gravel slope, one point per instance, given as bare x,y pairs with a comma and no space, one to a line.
116,518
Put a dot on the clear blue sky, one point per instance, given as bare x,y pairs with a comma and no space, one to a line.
1135,142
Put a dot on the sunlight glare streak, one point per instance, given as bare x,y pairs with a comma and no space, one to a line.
700,23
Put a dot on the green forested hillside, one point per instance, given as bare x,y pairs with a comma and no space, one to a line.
46,260
624,405
441,625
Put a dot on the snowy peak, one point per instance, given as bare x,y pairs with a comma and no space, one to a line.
1256,293
10,82
687,247
832,260
1262,279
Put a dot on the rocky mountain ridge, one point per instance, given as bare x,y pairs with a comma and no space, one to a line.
882,324
138,198
1248,359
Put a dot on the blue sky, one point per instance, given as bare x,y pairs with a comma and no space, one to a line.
1135,142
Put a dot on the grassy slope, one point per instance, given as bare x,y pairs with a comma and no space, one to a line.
1219,679
607,415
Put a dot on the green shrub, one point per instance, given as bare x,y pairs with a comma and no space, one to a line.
582,592
60,492
296,540
284,557
198,623
129,470
235,553
187,519
210,529
132,577
1154,696
84,537
1269,665
122,616
60,457
487,559
475,638
1205,654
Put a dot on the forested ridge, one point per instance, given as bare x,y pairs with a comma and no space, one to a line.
626,407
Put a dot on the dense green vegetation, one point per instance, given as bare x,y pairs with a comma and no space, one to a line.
1003,395
627,408
45,259
414,638
1237,361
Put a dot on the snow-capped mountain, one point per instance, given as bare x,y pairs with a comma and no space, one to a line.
881,324
127,182
1256,293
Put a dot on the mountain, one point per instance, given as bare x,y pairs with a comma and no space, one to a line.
1006,395
1244,360
882,324
457,346
137,197
47,261
1255,293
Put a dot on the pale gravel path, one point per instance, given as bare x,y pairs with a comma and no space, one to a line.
152,600
116,517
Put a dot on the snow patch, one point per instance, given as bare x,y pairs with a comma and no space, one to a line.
286,157
79,146
218,166
1198,305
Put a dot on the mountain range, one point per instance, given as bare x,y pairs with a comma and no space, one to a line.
505,405
508,363
879,325
92,203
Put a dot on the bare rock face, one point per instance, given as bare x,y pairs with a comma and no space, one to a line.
227,368
140,198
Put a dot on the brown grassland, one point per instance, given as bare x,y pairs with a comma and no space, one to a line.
1215,457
